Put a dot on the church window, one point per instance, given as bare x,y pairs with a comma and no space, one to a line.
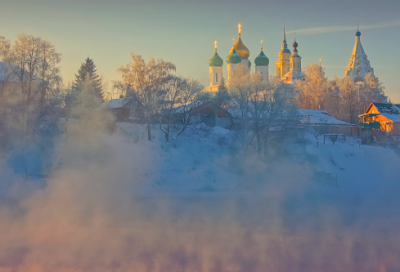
216,77
358,71
358,63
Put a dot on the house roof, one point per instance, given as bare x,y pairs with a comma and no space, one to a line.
390,111
308,116
117,103
293,76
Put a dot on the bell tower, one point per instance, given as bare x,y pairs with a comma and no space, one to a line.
359,66
283,62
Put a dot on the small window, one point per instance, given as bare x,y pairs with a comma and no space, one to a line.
216,77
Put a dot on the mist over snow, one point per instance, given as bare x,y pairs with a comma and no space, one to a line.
117,202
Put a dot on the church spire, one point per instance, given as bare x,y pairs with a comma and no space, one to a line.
284,31
359,66
284,49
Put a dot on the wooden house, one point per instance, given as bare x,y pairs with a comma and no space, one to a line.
206,112
125,108
383,117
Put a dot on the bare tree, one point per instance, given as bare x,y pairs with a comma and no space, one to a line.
48,71
240,91
279,111
166,109
262,105
188,95
147,81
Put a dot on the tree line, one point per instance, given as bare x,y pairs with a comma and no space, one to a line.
341,97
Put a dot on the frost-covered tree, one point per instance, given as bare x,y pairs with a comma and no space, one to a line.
349,94
88,73
182,95
49,73
147,81
313,92
262,105
222,96
32,63
374,89
173,92
189,94
240,91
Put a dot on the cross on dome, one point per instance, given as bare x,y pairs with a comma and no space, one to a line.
262,45
216,45
240,29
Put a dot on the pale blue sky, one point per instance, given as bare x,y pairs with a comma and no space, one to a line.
183,32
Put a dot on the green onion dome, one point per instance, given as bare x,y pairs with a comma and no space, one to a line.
233,57
261,60
215,60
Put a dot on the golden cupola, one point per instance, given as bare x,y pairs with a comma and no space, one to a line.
240,48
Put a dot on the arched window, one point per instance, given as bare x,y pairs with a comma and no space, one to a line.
216,77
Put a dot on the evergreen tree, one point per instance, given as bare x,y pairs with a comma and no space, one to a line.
222,95
88,72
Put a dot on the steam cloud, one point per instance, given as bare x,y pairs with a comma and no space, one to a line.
92,216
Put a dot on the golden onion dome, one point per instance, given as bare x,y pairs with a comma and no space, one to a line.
241,49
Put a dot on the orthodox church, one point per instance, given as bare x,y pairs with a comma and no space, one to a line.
359,66
239,54
288,65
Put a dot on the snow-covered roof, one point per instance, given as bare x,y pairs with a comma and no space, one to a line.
182,109
318,117
390,111
293,76
117,103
